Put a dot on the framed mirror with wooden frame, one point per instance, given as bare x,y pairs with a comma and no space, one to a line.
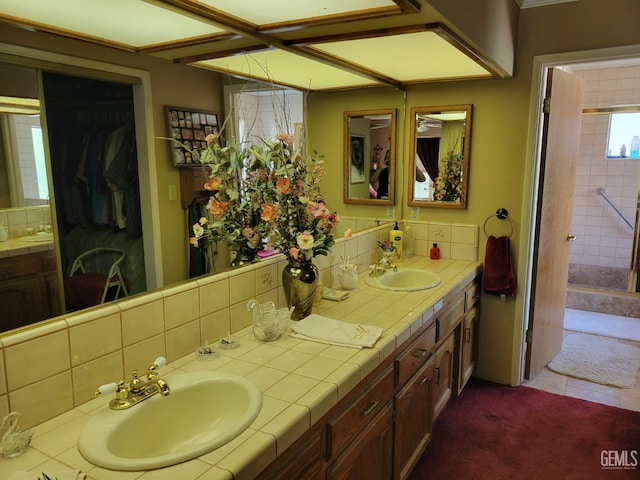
370,157
439,163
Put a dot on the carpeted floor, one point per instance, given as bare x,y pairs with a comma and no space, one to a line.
494,432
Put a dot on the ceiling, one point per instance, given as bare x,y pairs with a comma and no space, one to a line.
311,45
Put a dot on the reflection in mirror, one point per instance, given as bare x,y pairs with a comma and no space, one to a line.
441,140
369,157
23,179
25,183
91,159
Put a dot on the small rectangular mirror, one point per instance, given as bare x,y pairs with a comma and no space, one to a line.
439,163
370,157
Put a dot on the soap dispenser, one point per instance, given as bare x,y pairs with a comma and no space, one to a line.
395,239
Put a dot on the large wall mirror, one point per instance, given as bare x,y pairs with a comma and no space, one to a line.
370,157
439,164
54,131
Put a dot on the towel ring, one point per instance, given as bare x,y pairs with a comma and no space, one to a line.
500,214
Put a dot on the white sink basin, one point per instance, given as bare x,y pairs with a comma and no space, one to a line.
203,412
405,279
40,237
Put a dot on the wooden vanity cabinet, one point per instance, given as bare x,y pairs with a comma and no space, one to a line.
469,347
369,456
413,420
442,387
380,429
354,417
28,289
467,332
303,461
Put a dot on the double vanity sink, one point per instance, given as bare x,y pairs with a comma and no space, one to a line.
199,412
204,411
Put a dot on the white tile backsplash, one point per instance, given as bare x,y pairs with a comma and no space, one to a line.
105,344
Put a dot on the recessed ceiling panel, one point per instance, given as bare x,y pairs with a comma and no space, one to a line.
289,69
260,12
129,22
407,57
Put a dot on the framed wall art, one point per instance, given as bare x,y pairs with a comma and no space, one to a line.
188,129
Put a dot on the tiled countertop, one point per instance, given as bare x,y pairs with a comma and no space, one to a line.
23,245
300,381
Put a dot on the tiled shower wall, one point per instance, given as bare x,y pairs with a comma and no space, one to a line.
54,367
604,239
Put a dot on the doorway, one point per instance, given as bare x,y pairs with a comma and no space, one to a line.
588,64
602,265
94,169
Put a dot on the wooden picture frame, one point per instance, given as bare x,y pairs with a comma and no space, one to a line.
188,128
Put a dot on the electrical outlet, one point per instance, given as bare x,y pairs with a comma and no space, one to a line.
415,213
391,211
173,192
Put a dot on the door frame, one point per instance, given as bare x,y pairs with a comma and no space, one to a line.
140,81
532,178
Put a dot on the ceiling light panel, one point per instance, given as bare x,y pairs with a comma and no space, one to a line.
289,69
133,23
260,12
407,57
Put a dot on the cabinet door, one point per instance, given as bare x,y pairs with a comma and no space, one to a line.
469,353
413,420
443,375
20,300
369,456
351,420
302,461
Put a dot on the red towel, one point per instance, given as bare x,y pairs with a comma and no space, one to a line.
498,271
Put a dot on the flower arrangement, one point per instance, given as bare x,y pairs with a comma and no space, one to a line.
234,201
447,187
267,191
296,219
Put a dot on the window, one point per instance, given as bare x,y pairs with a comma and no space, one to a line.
624,135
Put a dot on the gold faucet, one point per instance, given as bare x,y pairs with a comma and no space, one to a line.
378,269
128,394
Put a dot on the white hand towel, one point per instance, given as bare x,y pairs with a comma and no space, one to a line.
53,475
328,330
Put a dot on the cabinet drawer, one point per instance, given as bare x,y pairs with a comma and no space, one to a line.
447,320
410,360
471,296
11,268
346,425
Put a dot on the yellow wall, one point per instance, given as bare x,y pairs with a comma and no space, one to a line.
500,166
500,163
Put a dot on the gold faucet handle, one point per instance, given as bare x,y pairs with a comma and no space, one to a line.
136,384
152,371
106,389
122,392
